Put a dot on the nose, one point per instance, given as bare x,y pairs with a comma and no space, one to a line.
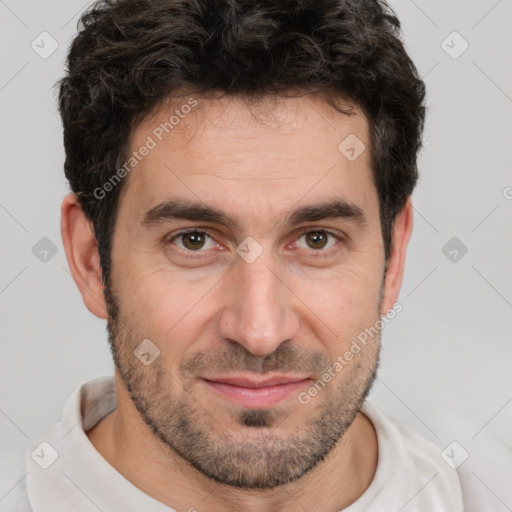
258,310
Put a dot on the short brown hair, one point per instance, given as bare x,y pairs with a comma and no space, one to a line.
129,55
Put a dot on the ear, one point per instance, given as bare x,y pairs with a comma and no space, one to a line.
82,255
402,230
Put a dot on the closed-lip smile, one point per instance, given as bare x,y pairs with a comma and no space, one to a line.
257,391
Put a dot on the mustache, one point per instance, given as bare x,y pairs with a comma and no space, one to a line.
285,358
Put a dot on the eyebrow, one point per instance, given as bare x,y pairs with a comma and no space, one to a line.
175,209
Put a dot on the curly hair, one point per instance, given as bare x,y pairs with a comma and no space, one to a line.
130,55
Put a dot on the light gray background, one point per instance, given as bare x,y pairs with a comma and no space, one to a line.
446,357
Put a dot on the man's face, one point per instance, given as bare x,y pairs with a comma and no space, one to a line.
248,315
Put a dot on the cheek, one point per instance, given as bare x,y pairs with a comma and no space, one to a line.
163,307
347,304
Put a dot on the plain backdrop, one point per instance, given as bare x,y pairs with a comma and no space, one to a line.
446,359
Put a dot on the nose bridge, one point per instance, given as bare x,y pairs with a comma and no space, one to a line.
258,312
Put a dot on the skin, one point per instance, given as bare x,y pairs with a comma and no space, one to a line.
256,163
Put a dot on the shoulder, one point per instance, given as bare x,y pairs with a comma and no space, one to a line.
29,467
412,467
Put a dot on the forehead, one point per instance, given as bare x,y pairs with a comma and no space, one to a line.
257,155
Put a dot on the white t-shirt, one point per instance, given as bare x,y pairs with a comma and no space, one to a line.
65,473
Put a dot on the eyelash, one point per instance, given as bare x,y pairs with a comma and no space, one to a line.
204,254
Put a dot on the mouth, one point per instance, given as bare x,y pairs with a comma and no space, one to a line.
256,392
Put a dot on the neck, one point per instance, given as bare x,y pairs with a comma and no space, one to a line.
131,447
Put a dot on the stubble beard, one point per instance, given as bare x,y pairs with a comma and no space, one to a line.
260,457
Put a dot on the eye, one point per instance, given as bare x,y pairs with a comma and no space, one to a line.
200,242
319,240
193,240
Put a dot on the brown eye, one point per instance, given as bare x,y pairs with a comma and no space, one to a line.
318,240
193,241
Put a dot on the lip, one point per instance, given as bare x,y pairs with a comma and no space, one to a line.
250,391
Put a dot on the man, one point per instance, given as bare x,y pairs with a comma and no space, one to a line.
241,177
